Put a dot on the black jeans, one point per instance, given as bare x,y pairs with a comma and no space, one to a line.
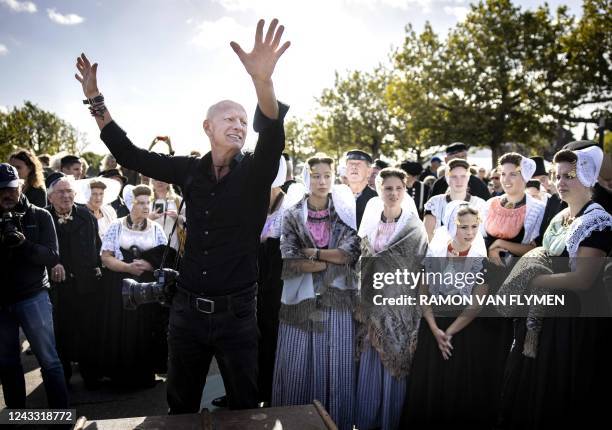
195,337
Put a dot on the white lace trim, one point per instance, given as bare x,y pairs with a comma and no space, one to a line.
437,205
533,219
371,218
595,218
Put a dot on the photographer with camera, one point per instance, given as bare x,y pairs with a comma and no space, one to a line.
28,245
75,286
227,194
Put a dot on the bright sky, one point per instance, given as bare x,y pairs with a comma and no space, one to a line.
163,62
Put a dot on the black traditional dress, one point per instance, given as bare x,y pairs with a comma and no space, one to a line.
445,393
134,346
504,222
562,386
269,290
76,313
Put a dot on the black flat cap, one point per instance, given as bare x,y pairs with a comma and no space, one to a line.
53,178
456,147
412,168
357,154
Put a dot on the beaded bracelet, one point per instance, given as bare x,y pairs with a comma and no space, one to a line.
96,105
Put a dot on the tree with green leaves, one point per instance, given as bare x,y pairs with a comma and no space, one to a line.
297,143
35,129
355,114
411,93
490,86
505,75
585,67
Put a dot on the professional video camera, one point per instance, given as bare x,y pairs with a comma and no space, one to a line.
159,291
11,231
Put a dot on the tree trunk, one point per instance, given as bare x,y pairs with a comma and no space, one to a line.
495,153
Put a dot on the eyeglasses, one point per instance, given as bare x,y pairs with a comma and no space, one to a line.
495,177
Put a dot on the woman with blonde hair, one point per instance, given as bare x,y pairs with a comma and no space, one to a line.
30,170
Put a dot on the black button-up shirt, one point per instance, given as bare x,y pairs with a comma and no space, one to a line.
224,218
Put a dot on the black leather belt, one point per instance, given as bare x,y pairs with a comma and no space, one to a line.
211,305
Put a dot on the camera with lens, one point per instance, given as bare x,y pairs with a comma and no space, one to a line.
11,231
161,290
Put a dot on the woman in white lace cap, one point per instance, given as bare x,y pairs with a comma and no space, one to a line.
447,366
457,176
134,340
511,225
558,367
392,237
319,246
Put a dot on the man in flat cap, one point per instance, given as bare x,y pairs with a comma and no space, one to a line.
71,165
358,168
475,186
414,187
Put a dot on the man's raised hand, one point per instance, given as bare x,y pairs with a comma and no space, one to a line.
87,76
260,62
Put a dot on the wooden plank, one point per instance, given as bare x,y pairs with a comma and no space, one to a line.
183,422
327,419
304,417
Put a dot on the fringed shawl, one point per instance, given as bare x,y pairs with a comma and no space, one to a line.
305,294
392,330
538,262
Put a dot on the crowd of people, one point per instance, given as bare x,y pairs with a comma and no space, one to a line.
270,274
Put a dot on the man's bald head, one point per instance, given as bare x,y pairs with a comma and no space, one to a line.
226,126
222,106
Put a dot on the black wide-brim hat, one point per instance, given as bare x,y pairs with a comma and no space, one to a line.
540,167
412,168
113,173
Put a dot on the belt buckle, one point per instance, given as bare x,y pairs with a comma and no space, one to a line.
209,303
